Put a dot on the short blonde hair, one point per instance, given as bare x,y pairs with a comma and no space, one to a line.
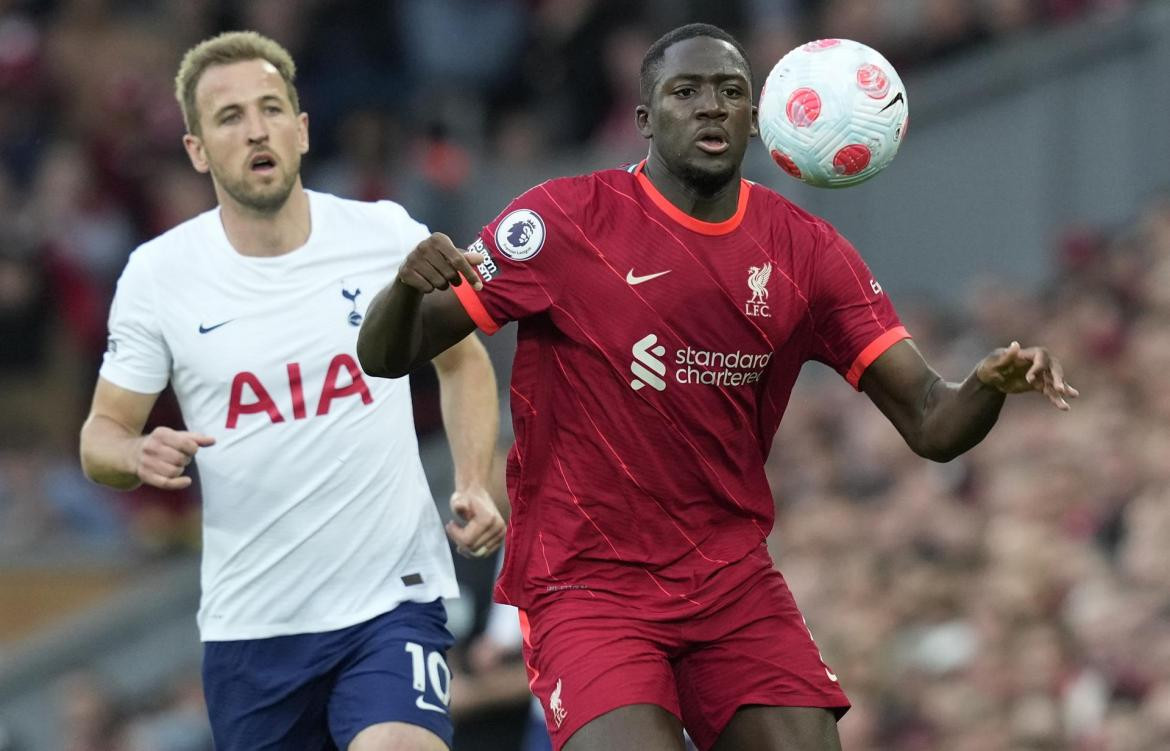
229,47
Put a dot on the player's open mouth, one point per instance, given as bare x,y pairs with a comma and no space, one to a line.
713,143
263,163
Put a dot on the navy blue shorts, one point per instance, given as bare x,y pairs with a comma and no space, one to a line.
317,691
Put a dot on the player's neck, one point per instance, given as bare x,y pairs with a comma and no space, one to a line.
253,233
718,206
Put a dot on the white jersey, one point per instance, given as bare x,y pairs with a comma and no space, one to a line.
316,512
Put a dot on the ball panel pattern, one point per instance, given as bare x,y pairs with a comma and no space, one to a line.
804,107
833,113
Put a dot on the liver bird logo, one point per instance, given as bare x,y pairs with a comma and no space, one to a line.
757,282
555,705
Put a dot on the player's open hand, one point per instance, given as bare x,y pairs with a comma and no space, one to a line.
478,528
435,263
1016,369
163,456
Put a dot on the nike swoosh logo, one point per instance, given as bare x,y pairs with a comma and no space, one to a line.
636,280
205,329
895,100
422,703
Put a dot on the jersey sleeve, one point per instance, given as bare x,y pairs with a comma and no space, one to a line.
137,357
854,320
524,251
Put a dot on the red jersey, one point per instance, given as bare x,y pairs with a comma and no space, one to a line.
655,357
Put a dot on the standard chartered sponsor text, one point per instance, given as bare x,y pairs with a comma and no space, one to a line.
719,368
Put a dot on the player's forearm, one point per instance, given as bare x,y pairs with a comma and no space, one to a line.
471,410
108,453
956,417
390,339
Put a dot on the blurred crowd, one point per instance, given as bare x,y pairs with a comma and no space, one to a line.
1016,598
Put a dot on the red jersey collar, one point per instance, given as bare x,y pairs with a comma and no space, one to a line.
685,219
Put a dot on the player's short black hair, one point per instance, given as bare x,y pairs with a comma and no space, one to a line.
652,61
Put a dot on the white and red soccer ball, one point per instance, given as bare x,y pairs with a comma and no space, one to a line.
833,113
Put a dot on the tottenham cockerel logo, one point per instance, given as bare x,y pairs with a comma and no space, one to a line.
757,282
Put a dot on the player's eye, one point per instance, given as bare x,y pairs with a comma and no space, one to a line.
272,109
732,92
229,118
684,91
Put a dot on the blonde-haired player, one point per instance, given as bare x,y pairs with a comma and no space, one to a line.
324,559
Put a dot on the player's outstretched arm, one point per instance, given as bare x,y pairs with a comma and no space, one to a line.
417,316
471,418
114,452
939,419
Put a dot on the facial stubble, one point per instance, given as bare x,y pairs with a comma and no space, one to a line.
266,199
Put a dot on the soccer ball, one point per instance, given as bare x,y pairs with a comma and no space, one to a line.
833,113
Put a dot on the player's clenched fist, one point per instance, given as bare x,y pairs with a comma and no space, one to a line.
163,456
478,528
436,263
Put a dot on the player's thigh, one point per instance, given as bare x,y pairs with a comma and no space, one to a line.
780,729
397,736
588,665
267,694
637,727
396,674
754,651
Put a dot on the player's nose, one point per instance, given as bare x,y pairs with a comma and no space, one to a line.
709,104
257,128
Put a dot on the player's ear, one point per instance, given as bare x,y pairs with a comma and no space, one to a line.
642,120
755,121
303,132
196,153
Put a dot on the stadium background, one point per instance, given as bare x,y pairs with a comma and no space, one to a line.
1017,598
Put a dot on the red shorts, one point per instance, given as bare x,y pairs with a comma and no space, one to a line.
587,657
